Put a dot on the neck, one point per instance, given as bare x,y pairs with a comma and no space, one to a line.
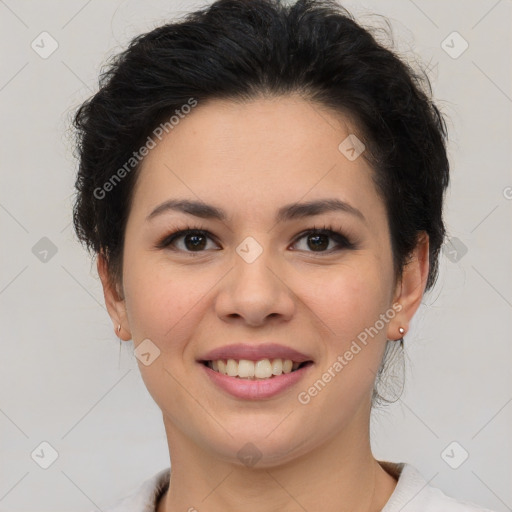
338,476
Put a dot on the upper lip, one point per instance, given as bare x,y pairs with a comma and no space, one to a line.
255,353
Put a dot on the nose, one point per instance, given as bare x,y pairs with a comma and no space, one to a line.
253,293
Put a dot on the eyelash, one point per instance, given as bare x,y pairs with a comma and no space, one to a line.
336,234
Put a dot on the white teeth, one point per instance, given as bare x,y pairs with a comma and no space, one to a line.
262,369
277,366
246,369
232,368
287,366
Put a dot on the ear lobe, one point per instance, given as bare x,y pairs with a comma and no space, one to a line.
115,304
411,287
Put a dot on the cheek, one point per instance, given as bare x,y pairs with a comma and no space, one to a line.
349,303
162,303
351,300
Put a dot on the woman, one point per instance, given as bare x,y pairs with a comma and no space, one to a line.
263,187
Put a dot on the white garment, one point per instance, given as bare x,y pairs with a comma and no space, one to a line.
412,494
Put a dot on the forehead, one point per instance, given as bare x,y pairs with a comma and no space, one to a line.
264,152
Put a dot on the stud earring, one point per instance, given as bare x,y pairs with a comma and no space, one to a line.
118,328
401,330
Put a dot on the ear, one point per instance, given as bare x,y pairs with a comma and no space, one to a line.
410,288
116,306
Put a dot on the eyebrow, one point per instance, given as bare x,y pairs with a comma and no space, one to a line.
286,213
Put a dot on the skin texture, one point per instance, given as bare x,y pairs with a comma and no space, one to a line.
250,159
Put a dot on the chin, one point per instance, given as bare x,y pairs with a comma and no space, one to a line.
259,447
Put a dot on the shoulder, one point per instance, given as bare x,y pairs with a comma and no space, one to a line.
413,493
144,498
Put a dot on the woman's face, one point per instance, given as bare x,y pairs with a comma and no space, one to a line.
258,277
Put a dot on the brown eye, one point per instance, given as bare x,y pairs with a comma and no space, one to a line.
318,240
194,240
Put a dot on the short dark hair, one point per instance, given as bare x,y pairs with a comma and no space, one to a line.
240,50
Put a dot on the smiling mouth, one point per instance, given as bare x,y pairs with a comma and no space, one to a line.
255,370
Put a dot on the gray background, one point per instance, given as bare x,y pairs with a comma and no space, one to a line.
64,380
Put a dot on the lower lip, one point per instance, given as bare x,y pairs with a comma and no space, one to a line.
256,389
